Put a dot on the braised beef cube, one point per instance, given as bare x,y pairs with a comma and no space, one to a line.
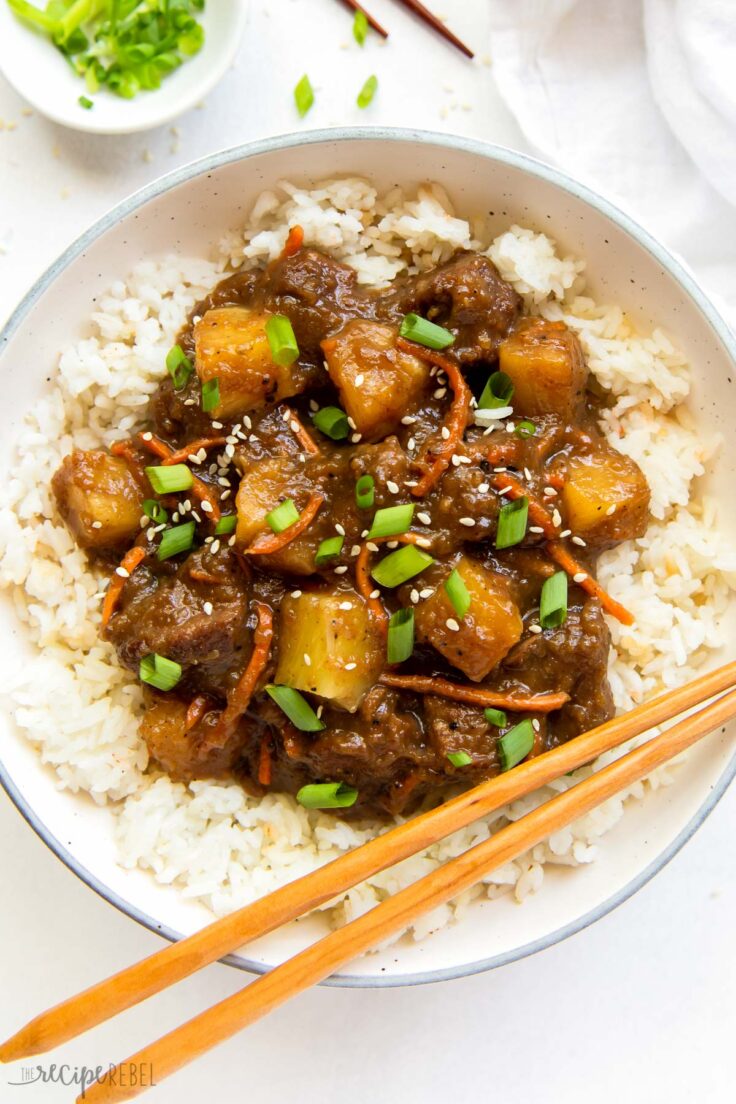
453,727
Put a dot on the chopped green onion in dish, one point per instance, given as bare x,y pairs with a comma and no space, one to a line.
328,550
512,521
227,524
296,708
367,92
179,367
327,795
210,395
160,672
516,744
423,332
170,478
553,601
391,521
179,538
525,429
365,492
497,392
281,339
86,103
155,511
282,516
496,717
303,95
360,27
458,593
333,422
459,758
400,642
401,565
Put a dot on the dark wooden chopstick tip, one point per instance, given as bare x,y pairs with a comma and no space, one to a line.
437,25
356,7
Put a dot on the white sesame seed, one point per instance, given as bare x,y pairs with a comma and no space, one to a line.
206,506
225,494
320,710
98,524
392,544
296,594
499,471
426,592
122,572
150,534
465,460
535,628
307,659
193,458
208,608
232,440
351,423
445,433
566,532
452,624
143,522
440,393
580,576
393,487
364,534
215,546
208,540
408,420
550,492
455,460
536,529
611,509
196,516
294,427
411,483
229,451
355,550
483,487
374,594
359,380
414,596
350,666
217,425
424,518
313,406
346,605
191,402
470,522
411,444
341,570
253,439
232,541
247,422
371,546
147,436
355,437
339,529
556,518
527,474
285,415
506,490
423,542
578,540
510,427
223,481
212,469
535,724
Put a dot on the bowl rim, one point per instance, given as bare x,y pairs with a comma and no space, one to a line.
672,264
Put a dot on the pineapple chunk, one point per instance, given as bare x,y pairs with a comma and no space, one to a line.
488,631
315,625
378,383
265,484
98,498
545,362
605,497
231,346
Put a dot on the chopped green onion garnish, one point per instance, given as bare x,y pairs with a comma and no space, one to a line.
179,367
497,392
401,565
365,492
159,671
179,538
515,744
360,27
512,523
155,511
553,601
283,516
296,708
328,550
400,643
525,429
367,92
458,593
280,334
332,421
424,332
168,479
210,395
85,102
303,95
391,521
495,717
459,758
327,795
226,524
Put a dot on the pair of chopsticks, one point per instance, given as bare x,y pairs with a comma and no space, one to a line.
423,13
98,1003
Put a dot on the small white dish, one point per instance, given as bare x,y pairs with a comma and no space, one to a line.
41,75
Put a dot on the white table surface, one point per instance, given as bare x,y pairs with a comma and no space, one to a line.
637,1008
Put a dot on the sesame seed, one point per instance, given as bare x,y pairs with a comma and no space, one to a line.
339,529
217,425
364,534
225,494
320,710
350,666
374,594
232,440
470,522
550,492
296,594
578,540
346,605
232,541
535,628
215,546
465,460
208,608
246,422
341,570
307,659
408,420
193,458
196,516
423,542
411,483
393,487
392,544
206,506
313,406
208,540
143,522
580,576
98,524
150,534
147,436
455,460
483,487
355,550
510,427
371,546
285,415
500,471
535,724
229,451
452,624
359,380
556,519
122,572
505,490
411,444
445,433
223,481
611,509
355,437
294,427
566,532
536,529
191,402
424,518
527,474
414,596
427,592
440,393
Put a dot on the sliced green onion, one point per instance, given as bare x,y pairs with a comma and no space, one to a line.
327,795
170,478
155,511
282,341
391,521
283,516
85,102
401,565
400,643
512,523
360,27
365,492
497,392
332,421
458,593
496,717
303,95
459,758
553,601
179,538
516,744
210,395
367,92
179,367
159,671
424,332
525,429
226,524
296,708
328,550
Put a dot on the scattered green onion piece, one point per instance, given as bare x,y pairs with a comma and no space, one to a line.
179,367
365,492
360,27
155,511
512,523
226,524
328,550
296,708
391,521
85,102
497,392
280,334
169,479
327,795
283,516
525,429
303,95
210,395
496,717
158,671
179,538
516,744
333,422
400,642
458,593
367,92
553,601
459,758
401,565
424,332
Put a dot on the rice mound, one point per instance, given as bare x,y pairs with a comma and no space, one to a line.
80,708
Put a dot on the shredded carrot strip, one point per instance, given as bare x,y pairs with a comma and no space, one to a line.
264,762
537,513
298,430
456,420
197,708
132,558
268,543
476,695
183,454
240,696
202,576
555,479
568,563
363,583
294,241
199,489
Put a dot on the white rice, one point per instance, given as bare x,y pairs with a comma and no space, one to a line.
80,709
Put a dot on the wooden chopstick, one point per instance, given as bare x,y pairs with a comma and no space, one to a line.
355,6
178,960
437,25
317,962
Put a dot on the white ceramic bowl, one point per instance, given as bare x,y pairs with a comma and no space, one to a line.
40,74
187,211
